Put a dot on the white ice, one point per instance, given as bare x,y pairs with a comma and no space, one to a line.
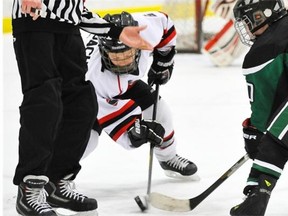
208,105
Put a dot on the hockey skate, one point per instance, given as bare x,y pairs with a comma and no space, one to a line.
257,198
64,196
31,198
180,168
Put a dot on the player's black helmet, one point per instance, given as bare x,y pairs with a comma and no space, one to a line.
251,15
114,53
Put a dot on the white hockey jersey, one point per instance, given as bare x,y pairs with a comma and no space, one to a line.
160,32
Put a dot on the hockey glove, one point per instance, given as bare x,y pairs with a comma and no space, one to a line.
252,138
146,131
162,67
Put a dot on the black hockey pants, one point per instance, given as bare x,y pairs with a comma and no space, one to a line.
58,107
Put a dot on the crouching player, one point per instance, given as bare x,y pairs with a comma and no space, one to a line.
125,101
263,25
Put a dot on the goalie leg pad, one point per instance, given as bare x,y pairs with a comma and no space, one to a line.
225,46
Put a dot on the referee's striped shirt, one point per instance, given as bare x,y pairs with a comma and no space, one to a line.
62,16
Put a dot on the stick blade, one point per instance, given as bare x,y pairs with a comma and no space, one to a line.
167,203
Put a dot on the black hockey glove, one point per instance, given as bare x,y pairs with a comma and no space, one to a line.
146,131
252,138
162,67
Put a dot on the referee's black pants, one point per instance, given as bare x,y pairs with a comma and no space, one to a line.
59,107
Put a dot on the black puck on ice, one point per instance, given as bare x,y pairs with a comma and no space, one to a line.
140,203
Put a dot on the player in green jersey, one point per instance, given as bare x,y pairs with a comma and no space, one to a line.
263,25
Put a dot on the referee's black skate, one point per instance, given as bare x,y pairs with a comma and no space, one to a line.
31,198
179,167
62,194
257,198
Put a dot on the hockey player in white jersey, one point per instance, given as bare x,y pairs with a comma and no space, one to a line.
125,101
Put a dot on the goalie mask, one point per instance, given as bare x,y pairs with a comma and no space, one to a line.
251,15
116,56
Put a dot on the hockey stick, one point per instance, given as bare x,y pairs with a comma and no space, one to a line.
167,203
144,206
151,145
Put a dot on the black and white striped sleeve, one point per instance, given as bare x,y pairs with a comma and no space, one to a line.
72,12
94,24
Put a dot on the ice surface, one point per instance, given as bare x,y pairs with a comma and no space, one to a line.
208,105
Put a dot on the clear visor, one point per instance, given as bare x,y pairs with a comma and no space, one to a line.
243,27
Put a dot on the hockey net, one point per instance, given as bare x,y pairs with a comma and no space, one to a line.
194,21
187,16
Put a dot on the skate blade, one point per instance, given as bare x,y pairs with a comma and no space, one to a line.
176,175
67,212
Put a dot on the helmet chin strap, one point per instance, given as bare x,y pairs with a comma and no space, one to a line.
259,26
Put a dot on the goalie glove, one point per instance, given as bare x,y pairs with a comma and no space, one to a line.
252,137
146,131
224,8
162,66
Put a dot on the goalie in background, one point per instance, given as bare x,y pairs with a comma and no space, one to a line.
125,101
225,46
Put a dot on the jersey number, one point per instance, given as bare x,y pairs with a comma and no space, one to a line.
250,92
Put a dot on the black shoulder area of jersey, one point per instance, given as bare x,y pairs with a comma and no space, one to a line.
272,43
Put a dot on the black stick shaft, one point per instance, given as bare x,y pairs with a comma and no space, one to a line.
198,199
151,146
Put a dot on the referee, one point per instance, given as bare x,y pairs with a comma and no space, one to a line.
58,107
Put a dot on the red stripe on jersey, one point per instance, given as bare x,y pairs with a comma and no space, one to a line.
123,129
118,112
168,39
168,137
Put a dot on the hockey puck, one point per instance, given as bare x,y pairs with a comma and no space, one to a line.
140,203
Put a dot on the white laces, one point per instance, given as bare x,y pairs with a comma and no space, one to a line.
36,198
67,188
178,162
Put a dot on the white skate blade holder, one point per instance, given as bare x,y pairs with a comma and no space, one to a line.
175,175
67,212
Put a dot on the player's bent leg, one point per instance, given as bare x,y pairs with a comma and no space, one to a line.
257,198
173,165
265,171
